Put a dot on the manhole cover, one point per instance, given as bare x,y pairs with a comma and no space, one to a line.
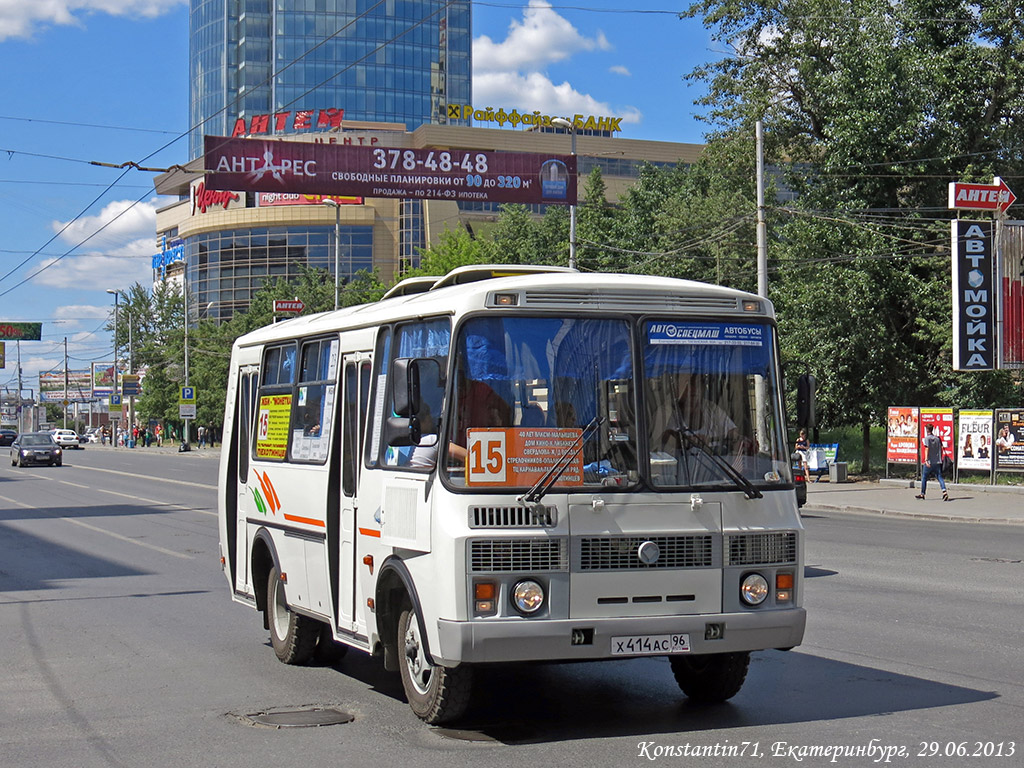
303,717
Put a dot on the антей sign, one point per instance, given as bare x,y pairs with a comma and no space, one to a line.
261,165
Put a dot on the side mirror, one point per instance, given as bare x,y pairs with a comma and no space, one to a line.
406,387
805,394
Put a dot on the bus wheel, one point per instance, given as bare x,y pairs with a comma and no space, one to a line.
713,678
293,636
436,694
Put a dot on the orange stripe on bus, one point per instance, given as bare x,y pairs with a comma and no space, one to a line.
370,532
306,520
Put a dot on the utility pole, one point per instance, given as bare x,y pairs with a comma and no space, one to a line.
64,400
762,230
21,426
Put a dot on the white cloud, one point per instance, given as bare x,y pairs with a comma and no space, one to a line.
511,73
21,18
120,221
539,92
618,69
98,271
540,38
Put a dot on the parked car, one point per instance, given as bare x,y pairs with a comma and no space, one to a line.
36,448
7,436
92,434
66,438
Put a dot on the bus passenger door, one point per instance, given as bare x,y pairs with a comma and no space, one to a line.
247,504
355,391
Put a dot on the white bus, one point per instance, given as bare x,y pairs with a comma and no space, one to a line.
514,464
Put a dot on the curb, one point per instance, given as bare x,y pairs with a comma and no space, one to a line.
852,510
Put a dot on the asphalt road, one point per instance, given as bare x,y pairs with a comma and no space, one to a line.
121,647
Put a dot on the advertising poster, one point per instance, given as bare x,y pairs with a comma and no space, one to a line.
942,420
1009,439
974,447
901,435
272,427
520,457
51,386
102,379
298,168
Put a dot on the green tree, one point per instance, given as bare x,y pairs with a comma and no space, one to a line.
867,104
595,226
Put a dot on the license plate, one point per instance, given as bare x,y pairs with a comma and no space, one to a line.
650,645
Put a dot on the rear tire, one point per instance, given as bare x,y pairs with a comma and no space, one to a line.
713,678
293,636
436,694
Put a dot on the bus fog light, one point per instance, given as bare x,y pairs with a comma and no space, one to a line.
754,589
527,596
783,596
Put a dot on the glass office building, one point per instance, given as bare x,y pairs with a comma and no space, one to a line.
377,61
396,61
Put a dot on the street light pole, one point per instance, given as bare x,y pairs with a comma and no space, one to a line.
337,244
117,389
561,122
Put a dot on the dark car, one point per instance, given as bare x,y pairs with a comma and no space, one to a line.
36,448
7,436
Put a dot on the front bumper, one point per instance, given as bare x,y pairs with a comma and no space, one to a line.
489,641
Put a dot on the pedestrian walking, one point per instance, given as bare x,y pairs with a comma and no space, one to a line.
932,461
202,436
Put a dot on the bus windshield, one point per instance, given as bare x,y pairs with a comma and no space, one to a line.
712,404
524,390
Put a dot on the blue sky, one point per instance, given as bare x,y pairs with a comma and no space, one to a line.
107,81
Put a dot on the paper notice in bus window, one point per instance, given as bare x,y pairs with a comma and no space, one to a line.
272,429
519,457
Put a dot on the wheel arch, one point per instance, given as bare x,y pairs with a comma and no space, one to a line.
262,558
394,586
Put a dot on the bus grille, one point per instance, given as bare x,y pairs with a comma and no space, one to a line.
775,548
518,555
512,517
620,553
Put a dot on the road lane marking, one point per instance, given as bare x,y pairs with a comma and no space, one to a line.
147,477
144,500
111,534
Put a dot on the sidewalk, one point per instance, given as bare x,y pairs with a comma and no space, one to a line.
205,453
967,503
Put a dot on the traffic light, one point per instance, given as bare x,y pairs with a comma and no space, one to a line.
805,401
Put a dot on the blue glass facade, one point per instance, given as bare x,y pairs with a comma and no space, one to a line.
226,268
396,61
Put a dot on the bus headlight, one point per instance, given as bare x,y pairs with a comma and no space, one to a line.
527,596
754,589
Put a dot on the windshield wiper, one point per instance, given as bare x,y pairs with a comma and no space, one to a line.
689,437
549,478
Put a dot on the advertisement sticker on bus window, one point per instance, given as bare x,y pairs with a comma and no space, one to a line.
718,334
519,457
272,430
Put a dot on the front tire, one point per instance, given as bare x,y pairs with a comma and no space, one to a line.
293,636
436,694
713,678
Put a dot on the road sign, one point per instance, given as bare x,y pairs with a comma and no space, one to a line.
981,197
187,403
288,305
115,404
130,384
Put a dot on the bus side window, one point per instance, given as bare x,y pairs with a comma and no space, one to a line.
350,432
